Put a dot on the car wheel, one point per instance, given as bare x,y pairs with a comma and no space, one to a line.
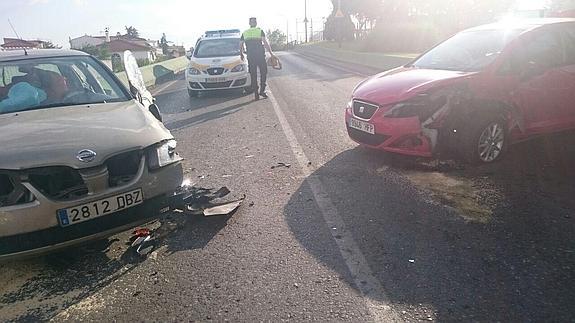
193,94
485,140
248,90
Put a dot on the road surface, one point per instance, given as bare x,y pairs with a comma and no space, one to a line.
343,234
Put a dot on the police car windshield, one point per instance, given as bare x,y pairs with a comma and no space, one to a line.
218,48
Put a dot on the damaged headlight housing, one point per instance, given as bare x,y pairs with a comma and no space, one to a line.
163,154
422,106
239,68
194,71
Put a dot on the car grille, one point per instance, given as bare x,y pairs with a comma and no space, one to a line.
366,138
123,168
58,183
217,85
216,71
364,110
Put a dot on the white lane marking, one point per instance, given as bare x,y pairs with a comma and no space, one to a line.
371,289
164,87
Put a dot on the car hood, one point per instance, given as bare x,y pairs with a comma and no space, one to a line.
53,137
404,82
225,62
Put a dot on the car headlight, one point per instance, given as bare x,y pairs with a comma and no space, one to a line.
163,154
194,71
239,68
422,106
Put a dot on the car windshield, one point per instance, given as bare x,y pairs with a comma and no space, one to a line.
468,51
43,83
218,48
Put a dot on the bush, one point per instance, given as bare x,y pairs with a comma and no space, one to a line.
143,62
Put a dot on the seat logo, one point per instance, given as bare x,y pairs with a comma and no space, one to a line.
361,109
86,156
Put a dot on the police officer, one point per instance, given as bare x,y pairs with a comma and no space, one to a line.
254,40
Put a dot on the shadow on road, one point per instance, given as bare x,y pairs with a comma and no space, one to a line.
44,287
205,117
518,266
178,101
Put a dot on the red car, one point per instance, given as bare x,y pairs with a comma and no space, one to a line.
474,94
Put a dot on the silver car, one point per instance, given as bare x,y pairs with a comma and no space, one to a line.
81,156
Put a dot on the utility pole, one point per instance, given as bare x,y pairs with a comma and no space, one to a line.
311,32
305,20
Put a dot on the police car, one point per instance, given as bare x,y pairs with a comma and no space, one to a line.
215,63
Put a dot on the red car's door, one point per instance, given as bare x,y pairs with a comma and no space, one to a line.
544,89
567,32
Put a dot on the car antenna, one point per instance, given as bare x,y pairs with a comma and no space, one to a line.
17,36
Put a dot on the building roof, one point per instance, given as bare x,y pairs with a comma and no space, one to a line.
124,37
37,53
21,43
120,45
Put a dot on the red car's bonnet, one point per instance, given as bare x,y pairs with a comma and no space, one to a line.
402,83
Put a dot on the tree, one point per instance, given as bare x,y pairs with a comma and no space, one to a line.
50,45
132,32
277,39
164,44
101,52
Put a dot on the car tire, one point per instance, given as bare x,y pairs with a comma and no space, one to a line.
248,90
193,94
484,139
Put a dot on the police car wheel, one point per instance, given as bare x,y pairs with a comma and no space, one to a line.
193,94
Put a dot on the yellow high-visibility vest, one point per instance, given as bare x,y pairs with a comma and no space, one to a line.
252,34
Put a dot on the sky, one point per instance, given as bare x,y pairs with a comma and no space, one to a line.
183,21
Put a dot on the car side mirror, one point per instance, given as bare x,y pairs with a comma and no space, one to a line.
190,53
155,110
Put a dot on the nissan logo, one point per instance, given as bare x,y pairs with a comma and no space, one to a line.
86,155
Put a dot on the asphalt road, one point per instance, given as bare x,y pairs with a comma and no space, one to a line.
344,234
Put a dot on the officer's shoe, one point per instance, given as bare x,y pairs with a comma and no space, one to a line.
264,95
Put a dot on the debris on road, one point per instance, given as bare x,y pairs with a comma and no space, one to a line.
201,201
143,244
286,165
223,209
412,261
222,192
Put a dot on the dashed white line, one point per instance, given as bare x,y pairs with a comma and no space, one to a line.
376,300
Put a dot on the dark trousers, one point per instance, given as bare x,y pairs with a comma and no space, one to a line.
254,64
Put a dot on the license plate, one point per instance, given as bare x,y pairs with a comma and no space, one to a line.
92,210
361,125
216,80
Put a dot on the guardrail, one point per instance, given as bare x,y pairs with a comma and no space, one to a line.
157,73
376,60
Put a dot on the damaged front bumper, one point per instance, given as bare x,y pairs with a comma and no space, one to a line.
33,228
404,136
